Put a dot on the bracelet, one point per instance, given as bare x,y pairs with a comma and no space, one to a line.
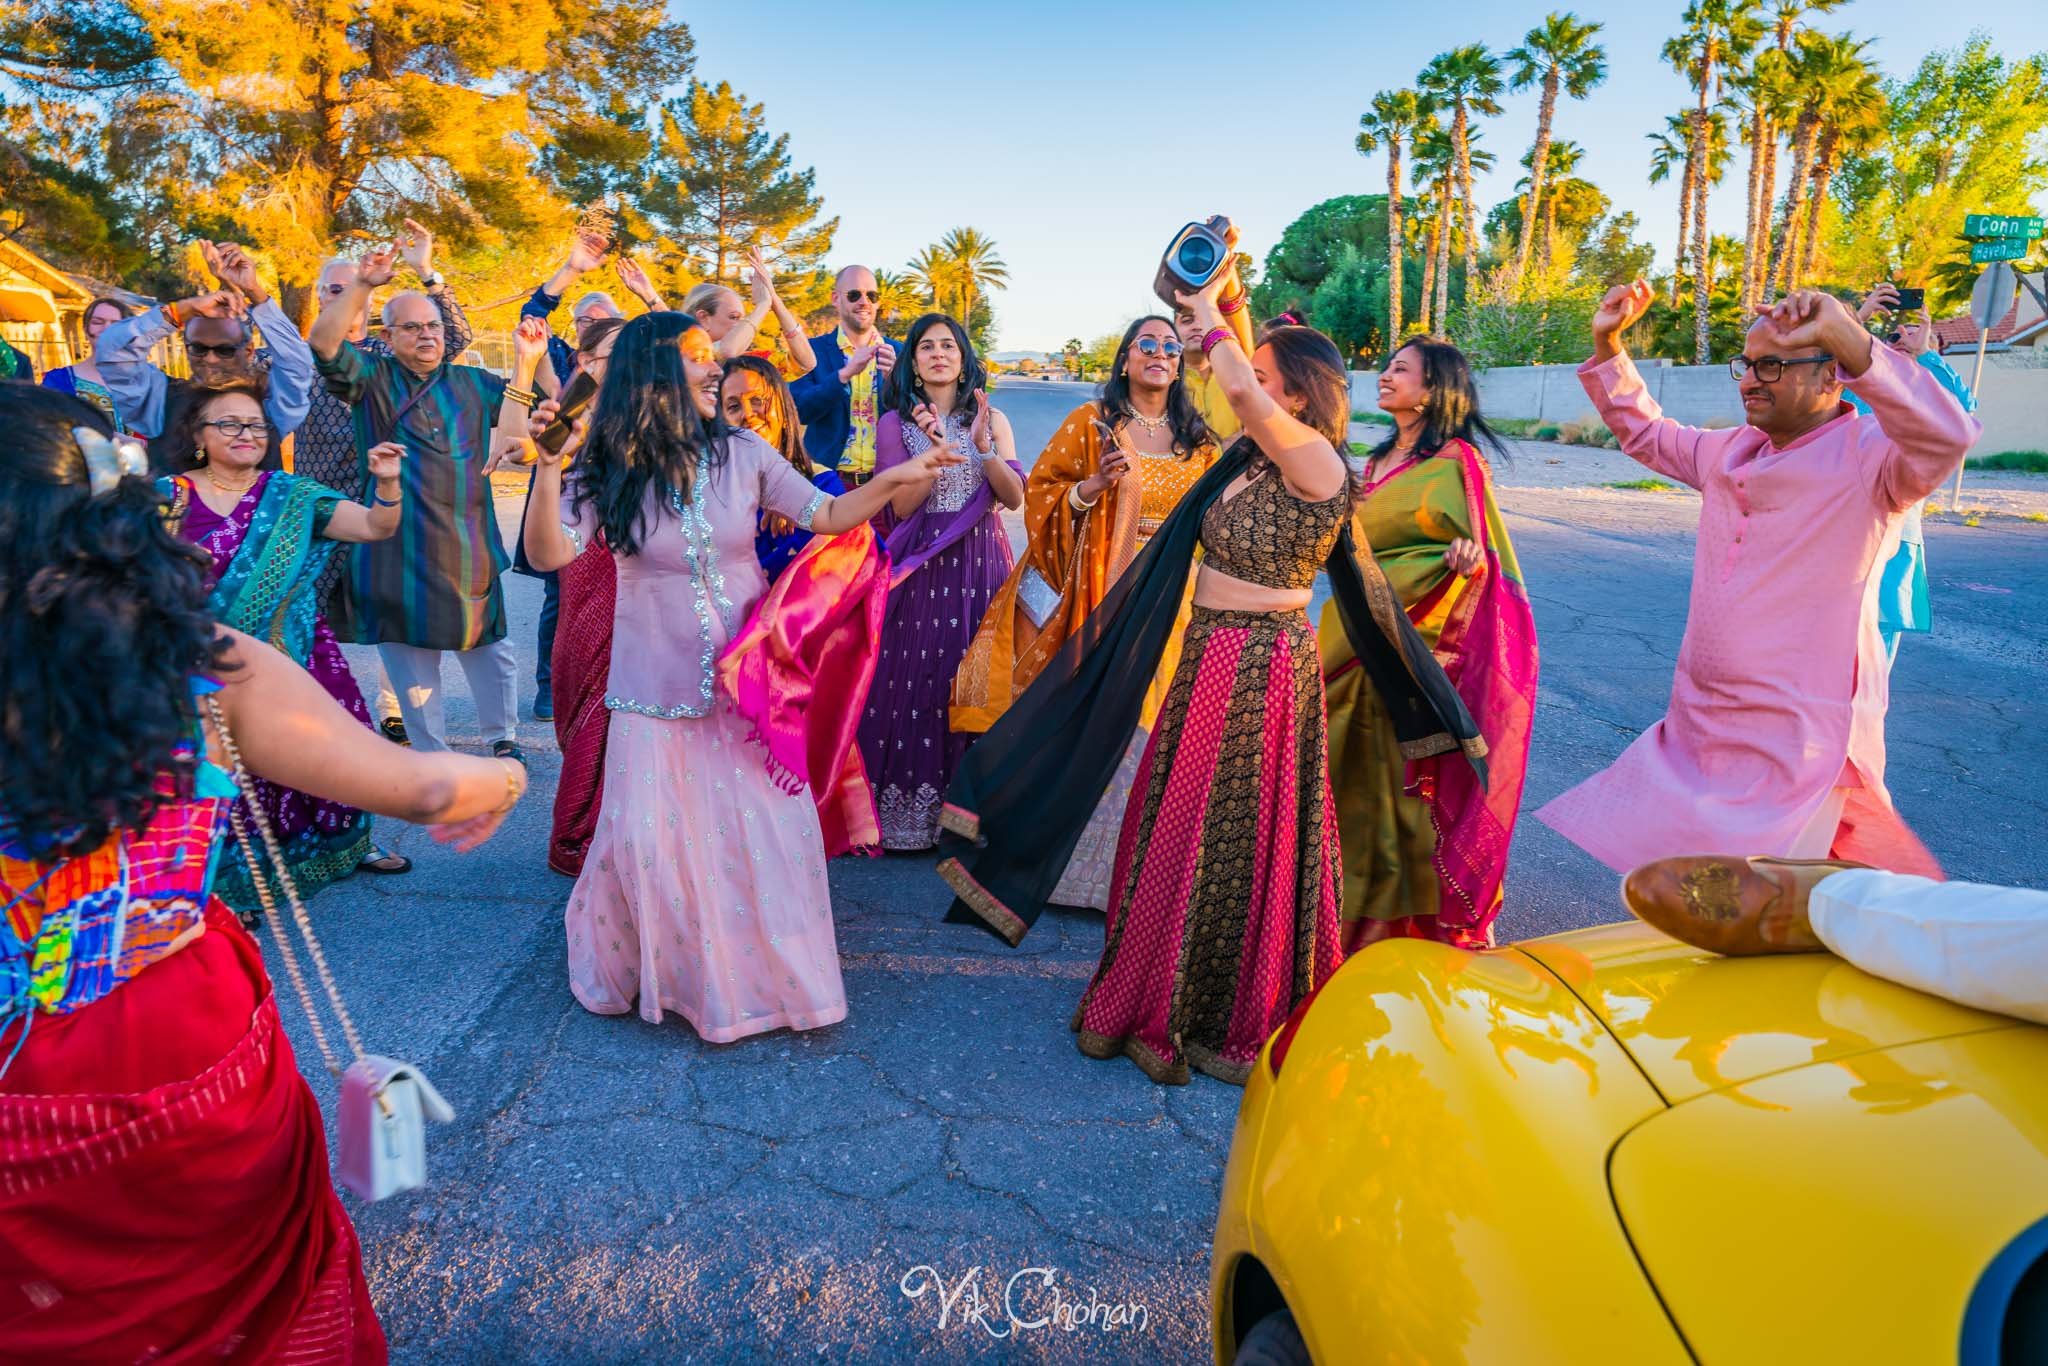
1074,499
433,281
173,316
525,398
1234,303
380,501
515,785
1214,338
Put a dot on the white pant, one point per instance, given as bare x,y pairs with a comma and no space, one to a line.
415,674
1966,942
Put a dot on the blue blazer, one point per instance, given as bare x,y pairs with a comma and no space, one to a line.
826,405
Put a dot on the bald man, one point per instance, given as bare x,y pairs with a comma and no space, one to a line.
840,400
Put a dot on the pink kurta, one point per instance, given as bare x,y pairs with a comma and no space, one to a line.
1780,692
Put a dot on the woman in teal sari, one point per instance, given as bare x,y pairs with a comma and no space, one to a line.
270,534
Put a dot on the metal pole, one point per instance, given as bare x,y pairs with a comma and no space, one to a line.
1955,497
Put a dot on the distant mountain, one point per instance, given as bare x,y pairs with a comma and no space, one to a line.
1012,357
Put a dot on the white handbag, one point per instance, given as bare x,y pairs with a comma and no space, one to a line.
381,1132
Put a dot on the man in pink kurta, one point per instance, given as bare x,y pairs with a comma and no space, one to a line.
1774,740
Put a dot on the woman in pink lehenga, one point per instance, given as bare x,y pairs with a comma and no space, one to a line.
703,891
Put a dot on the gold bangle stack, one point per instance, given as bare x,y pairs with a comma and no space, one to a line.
525,398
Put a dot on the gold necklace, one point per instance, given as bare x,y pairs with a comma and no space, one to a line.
1150,424
237,490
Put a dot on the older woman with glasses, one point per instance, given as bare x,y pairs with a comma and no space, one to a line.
269,535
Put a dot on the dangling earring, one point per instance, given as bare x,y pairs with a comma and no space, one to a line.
199,455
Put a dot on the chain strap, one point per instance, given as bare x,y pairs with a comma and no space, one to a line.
246,785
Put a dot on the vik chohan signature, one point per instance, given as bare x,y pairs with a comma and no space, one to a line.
1031,1298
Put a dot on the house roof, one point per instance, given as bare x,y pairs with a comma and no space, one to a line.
19,260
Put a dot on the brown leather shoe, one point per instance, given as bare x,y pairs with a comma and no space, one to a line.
1730,905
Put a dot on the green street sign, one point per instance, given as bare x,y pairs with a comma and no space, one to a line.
1999,249
2001,225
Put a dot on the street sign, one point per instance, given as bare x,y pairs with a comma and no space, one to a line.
2000,249
1992,295
2024,227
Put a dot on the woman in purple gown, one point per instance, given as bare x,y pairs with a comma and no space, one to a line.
948,554
270,534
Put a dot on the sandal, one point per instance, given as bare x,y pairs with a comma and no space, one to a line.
381,860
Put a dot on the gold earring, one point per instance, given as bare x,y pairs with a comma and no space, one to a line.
199,455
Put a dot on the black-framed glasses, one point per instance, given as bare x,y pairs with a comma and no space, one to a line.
854,296
232,427
1771,369
1153,346
201,350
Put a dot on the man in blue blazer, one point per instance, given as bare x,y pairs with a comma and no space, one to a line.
841,399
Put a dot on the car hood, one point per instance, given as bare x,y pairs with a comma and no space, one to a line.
1696,1022
1842,1210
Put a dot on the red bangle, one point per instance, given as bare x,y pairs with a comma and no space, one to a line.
1233,303
172,316
1214,338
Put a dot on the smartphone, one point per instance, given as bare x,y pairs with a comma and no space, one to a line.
1911,300
575,399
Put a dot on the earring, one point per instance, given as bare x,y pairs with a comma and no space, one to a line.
199,455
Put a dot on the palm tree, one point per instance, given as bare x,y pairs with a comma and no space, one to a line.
1722,251
1466,80
1073,349
1771,104
1435,171
1825,69
1559,54
976,268
931,273
1851,124
1395,119
1718,38
901,295
1671,150
1564,158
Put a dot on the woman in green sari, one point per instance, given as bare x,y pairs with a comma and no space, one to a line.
1425,842
269,535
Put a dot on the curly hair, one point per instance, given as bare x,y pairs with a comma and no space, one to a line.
103,626
183,445
792,426
1190,433
646,435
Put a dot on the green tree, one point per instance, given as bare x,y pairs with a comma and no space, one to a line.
720,184
1466,81
1672,150
1716,43
1827,72
976,269
1613,256
1393,121
1770,101
1560,56
1852,121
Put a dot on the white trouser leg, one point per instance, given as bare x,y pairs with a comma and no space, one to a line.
493,674
1967,942
387,696
416,677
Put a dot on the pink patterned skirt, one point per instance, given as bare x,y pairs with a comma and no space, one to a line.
1223,910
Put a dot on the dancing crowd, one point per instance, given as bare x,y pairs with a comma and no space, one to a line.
783,622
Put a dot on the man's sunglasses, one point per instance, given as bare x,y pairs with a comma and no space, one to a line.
854,296
1153,346
201,350
1771,369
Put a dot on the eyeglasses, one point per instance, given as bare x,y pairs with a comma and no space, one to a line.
1770,369
1153,346
232,427
336,290
418,329
854,296
201,350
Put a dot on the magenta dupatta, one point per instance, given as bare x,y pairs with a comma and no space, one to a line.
1488,648
799,671
925,532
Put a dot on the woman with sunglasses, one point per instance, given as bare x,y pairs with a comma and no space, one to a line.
269,535
1106,481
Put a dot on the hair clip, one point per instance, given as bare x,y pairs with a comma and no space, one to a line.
110,460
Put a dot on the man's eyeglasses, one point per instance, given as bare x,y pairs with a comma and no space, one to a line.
201,350
336,290
1153,346
418,329
232,427
1771,369
854,296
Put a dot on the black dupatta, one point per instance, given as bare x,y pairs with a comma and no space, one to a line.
1023,795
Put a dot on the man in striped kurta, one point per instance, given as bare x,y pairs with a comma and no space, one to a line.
432,587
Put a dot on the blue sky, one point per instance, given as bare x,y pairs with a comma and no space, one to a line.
1080,136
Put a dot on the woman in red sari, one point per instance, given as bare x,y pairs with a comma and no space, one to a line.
164,1192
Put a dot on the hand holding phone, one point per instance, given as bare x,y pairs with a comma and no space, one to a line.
582,389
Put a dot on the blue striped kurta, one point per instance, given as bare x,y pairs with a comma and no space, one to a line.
435,583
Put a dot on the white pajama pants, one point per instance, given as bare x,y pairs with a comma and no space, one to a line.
415,674
1966,942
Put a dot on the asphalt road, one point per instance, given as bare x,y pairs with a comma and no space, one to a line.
613,1191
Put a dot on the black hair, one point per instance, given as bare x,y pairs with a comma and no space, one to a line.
1311,366
103,626
646,435
182,450
1450,407
595,331
1190,433
905,390
792,447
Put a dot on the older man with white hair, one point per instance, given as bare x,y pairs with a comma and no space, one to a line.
434,586
585,255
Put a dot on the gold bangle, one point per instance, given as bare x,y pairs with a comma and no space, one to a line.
1074,498
525,398
515,785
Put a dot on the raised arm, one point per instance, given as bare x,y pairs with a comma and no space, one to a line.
123,350
1610,380
510,437
338,314
352,522
290,390
416,245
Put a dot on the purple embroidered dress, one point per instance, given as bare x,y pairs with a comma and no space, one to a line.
947,561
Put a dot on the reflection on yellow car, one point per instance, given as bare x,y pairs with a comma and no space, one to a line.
1606,1146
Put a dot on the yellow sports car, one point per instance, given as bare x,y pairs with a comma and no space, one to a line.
1605,1146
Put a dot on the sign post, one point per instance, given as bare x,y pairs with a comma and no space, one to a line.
1995,239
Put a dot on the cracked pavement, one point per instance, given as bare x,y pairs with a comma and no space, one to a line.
613,1191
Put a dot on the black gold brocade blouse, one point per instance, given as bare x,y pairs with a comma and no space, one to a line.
1265,535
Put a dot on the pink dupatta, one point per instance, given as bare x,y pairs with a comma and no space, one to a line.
799,671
